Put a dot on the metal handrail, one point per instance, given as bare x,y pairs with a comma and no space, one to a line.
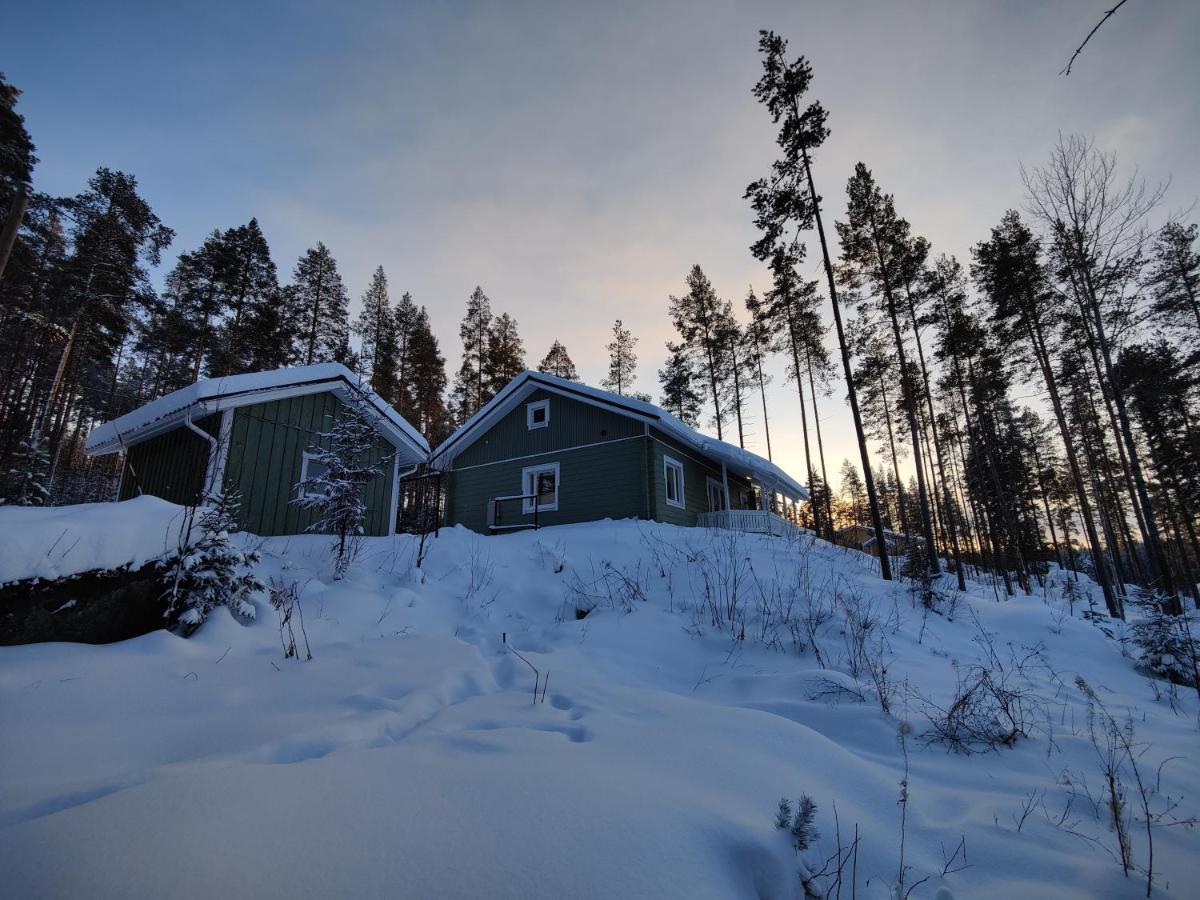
494,513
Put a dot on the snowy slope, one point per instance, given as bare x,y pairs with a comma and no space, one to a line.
55,541
409,759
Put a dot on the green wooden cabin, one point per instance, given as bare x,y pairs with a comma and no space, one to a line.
253,433
565,452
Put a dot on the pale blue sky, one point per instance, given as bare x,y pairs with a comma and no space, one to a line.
577,159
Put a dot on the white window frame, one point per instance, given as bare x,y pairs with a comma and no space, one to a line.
529,410
670,463
301,494
527,505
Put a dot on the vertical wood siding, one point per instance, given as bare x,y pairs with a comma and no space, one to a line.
265,456
171,465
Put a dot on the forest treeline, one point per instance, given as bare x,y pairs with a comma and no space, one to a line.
1040,394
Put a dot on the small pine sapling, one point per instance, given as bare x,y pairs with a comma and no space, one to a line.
26,482
339,473
208,571
802,830
1165,641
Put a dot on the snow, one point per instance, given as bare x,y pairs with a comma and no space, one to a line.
738,460
209,394
408,758
56,541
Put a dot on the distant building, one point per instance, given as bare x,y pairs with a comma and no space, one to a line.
558,451
252,433
862,537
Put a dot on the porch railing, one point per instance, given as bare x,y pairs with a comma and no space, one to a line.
754,521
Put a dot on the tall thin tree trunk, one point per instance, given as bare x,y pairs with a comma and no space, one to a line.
885,565
910,404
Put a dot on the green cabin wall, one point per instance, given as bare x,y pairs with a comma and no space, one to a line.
696,472
170,465
610,467
266,450
266,447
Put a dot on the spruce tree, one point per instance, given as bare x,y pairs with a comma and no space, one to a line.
558,362
787,202
678,383
426,379
405,323
377,328
322,304
622,360
469,391
336,491
208,570
505,358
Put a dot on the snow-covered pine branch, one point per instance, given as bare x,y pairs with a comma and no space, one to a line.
340,466
208,570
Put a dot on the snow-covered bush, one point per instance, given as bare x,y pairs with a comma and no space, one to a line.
26,483
337,488
1166,642
207,570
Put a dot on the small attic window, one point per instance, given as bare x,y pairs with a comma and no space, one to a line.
537,415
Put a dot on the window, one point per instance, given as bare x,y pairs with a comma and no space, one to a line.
673,475
537,415
310,467
543,481
716,495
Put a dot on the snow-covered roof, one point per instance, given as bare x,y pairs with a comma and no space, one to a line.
738,461
214,394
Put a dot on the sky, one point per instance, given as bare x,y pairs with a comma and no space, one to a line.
576,159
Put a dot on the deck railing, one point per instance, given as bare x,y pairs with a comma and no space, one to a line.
754,521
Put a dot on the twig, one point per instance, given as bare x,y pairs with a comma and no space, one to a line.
1079,49
223,655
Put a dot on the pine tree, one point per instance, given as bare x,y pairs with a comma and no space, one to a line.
1009,272
558,362
678,382
1096,225
789,200
379,359
873,240
1174,277
207,570
505,355
469,390
346,463
622,360
426,379
247,284
701,319
16,147
405,323
322,304
854,492
761,335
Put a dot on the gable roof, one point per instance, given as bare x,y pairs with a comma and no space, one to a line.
738,461
211,395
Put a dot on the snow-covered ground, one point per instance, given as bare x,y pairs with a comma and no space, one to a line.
409,758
